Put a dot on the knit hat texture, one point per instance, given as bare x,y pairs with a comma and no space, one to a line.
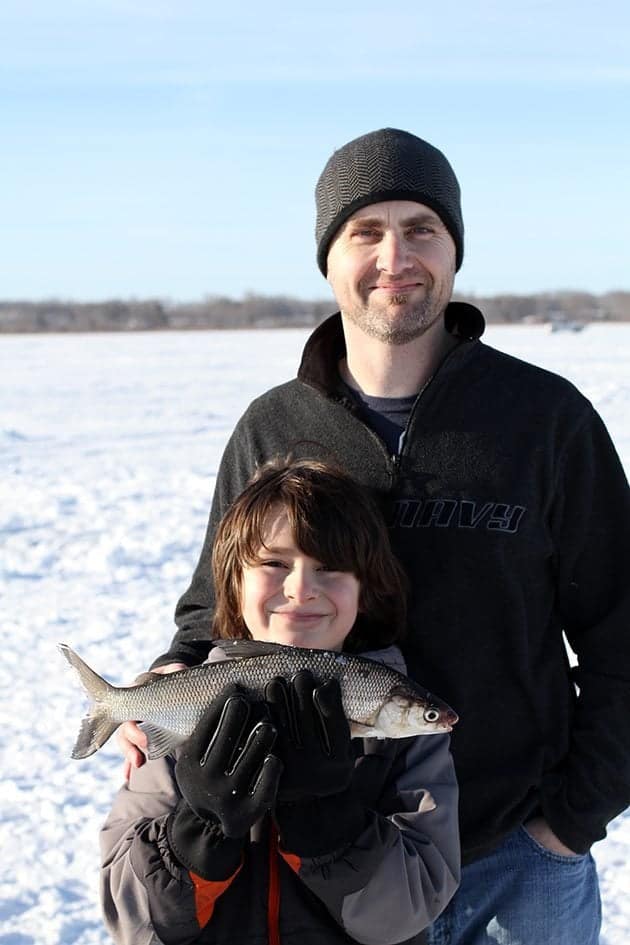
386,165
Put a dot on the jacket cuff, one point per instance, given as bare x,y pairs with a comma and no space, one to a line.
316,826
200,845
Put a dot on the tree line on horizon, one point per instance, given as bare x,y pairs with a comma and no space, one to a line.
260,311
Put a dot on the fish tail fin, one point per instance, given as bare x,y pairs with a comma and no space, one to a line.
98,725
94,732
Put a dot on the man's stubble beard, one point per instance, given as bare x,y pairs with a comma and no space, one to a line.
397,322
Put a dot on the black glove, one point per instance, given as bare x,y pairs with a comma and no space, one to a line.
316,810
228,779
313,737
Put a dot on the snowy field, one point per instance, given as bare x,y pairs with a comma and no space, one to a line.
110,448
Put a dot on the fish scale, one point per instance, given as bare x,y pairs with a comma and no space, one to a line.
377,700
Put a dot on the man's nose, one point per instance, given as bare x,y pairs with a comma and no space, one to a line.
300,585
393,253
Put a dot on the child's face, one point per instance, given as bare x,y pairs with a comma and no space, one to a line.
289,598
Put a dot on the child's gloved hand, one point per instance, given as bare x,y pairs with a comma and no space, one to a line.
317,811
226,771
228,779
313,737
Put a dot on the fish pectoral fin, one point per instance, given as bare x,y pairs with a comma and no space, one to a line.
361,730
161,740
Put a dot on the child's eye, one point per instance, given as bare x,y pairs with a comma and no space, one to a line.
272,563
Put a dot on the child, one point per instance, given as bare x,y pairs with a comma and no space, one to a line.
270,824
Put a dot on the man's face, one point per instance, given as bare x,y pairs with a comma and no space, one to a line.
391,267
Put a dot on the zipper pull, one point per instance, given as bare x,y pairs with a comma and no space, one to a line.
395,468
396,456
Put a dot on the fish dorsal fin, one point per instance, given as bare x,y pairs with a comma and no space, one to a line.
145,678
161,740
246,649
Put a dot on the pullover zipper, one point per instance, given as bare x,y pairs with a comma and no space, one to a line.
403,436
393,460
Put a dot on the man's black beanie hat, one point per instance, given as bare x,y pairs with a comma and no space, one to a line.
385,165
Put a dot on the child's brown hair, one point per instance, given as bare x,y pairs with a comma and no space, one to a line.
335,521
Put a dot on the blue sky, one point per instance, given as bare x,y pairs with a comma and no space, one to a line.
170,149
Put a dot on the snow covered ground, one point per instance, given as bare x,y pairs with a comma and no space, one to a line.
110,447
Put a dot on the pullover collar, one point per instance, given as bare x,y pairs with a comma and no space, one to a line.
326,346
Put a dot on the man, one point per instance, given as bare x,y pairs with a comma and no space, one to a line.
509,509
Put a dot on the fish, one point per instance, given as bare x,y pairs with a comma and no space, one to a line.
378,701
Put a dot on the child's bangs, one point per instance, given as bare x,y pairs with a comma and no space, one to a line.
254,527
323,530
321,522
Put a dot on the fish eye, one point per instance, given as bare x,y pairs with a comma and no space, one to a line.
431,714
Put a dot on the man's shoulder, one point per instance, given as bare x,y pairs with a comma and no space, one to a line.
530,377
281,392
277,413
293,397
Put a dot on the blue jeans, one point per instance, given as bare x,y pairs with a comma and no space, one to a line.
523,894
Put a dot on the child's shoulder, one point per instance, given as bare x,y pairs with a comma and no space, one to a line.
390,656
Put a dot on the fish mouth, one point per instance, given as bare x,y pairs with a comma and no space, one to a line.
443,716
452,718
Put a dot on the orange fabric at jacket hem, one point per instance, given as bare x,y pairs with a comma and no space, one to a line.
207,892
